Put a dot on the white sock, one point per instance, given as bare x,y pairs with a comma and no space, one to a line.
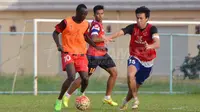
68,95
107,97
83,93
136,98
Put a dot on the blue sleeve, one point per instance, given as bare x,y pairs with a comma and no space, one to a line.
95,29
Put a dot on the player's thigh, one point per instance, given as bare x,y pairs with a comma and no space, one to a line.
133,67
71,71
66,59
83,75
143,74
112,71
68,65
107,63
81,63
131,72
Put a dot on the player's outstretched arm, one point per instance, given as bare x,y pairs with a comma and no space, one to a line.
127,30
113,36
117,34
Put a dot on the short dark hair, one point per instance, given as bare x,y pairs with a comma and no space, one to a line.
143,9
98,7
80,6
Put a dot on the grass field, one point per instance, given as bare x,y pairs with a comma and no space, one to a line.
149,103
53,83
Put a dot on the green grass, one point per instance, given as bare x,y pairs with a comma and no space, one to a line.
53,83
149,103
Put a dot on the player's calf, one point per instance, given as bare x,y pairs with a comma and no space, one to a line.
84,81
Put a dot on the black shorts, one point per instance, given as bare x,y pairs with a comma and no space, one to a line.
104,62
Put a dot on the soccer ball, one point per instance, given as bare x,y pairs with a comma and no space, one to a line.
82,103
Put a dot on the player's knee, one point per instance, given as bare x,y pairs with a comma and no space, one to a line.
71,78
85,80
130,78
113,72
131,75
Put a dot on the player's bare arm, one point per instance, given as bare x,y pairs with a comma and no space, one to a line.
156,43
110,38
59,28
91,42
56,39
88,39
117,34
95,38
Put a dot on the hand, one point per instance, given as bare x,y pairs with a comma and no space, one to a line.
60,48
101,48
107,39
147,46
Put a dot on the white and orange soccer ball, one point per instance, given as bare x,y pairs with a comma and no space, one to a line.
82,103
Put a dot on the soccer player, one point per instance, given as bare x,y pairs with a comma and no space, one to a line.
98,58
73,49
143,44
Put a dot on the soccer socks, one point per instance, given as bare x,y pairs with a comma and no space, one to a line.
67,95
107,97
136,98
83,94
